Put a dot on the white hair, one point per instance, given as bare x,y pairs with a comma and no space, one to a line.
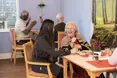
24,12
59,16
74,26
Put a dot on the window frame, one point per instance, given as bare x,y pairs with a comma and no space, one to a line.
6,29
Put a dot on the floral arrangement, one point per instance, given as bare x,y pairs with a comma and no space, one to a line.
95,46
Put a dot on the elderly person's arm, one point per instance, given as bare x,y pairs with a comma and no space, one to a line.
24,26
27,30
113,58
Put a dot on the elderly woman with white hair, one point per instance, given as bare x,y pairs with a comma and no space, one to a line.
74,41
73,38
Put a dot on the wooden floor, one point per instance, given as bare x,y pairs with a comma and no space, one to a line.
9,70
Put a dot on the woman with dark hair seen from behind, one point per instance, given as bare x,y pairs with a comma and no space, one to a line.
44,50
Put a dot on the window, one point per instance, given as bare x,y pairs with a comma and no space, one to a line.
103,12
7,13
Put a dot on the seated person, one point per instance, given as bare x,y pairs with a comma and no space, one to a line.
60,26
74,40
113,61
22,29
44,50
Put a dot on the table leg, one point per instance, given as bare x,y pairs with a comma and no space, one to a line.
93,75
71,70
107,74
65,68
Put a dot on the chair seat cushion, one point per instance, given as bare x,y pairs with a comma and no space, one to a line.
38,75
20,47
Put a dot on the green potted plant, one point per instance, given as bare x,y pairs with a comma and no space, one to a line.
41,4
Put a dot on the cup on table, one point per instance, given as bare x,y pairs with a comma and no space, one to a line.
96,56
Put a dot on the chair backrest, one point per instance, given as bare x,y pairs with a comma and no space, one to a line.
60,37
12,36
28,51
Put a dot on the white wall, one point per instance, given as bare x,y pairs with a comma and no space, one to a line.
79,11
50,11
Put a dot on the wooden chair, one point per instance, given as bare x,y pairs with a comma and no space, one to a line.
28,57
60,37
16,47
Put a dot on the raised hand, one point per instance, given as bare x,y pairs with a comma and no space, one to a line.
33,23
74,50
73,39
41,19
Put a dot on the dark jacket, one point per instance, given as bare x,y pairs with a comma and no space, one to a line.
43,53
58,27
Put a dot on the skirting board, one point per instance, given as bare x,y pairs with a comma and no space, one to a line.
8,56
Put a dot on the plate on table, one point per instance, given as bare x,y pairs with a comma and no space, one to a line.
87,51
81,53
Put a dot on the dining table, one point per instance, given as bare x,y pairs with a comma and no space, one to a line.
92,65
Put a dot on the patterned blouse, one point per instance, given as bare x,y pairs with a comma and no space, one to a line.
65,41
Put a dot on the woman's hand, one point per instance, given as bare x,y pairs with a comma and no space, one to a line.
78,46
74,50
73,39
33,23
71,44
